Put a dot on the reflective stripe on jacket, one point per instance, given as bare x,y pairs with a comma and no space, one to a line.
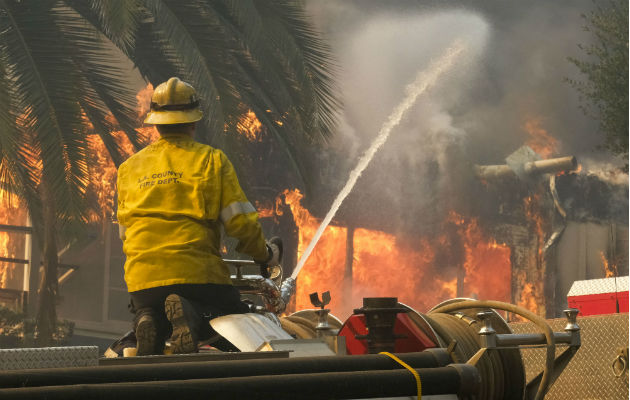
172,196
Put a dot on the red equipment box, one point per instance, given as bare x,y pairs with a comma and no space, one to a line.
414,338
599,296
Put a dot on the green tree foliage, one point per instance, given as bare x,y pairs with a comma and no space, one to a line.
59,65
605,90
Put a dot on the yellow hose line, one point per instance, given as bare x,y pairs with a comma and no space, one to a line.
413,371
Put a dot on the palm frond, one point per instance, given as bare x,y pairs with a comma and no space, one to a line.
44,87
119,20
308,60
189,38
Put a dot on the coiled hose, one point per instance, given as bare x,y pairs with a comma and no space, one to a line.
490,366
449,326
302,324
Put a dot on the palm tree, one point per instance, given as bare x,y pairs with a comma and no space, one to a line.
60,70
55,75
240,55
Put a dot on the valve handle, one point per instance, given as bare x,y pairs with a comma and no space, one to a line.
622,358
315,301
619,370
485,318
571,315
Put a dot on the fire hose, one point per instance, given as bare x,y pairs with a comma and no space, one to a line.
493,386
304,378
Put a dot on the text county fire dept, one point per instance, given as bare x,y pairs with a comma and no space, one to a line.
160,179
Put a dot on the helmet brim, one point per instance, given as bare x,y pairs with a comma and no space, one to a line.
173,117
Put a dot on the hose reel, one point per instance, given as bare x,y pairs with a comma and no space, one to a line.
478,335
502,372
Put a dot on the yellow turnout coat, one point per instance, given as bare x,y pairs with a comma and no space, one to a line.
172,196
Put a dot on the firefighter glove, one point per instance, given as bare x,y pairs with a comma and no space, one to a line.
274,248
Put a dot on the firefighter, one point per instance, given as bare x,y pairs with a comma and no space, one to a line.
173,196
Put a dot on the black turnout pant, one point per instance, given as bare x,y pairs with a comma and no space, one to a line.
209,300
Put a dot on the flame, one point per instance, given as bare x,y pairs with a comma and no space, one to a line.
386,265
12,212
487,263
102,183
540,141
532,206
250,127
315,271
265,210
103,172
610,268
531,293
143,97
527,300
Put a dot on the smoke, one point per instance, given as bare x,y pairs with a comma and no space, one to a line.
424,80
379,56
476,115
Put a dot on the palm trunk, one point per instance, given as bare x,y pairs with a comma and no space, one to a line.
48,285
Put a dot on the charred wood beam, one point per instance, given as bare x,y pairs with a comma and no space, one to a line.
553,165
14,260
23,261
348,275
16,228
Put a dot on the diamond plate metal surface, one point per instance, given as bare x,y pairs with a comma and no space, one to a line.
597,286
49,357
589,374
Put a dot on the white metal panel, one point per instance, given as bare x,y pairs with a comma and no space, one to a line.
597,286
248,331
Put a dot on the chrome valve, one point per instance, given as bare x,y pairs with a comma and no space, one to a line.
487,332
571,315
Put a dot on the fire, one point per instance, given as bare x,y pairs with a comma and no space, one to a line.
265,210
528,299
386,265
531,295
315,271
103,173
487,263
13,212
250,127
533,214
610,268
540,141
11,244
143,97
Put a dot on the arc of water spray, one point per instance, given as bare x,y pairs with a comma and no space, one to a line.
423,80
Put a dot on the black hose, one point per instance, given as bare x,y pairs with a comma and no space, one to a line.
329,385
214,369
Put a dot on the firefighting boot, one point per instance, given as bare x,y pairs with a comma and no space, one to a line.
186,324
146,335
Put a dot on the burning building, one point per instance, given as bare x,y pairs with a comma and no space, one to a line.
516,244
423,224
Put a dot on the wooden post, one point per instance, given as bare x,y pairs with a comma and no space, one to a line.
107,229
347,276
461,275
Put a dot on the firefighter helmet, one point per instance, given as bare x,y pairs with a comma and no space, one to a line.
174,102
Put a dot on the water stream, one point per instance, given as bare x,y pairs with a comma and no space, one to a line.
423,81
